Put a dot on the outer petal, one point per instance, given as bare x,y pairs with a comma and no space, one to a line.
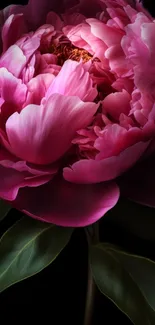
42,134
35,19
67,204
12,180
73,80
13,28
15,174
92,171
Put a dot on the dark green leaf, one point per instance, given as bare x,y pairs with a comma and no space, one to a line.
28,247
133,217
4,209
128,280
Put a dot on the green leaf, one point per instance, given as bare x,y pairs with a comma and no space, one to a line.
28,247
4,209
128,280
137,219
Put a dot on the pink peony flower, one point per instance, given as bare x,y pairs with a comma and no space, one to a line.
76,105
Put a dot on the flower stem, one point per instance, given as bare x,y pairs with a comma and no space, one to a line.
89,299
92,233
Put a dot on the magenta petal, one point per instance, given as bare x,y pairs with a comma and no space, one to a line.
139,183
67,204
13,28
12,180
15,174
42,134
36,11
93,171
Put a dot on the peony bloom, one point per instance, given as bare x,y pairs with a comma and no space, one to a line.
77,93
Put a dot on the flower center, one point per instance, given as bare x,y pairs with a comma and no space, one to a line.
67,51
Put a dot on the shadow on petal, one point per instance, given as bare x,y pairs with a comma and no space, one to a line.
67,204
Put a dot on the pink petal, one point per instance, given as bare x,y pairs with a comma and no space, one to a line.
117,61
13,60
73,80
117,103
42,134
82,37
12,180
13,29
10,161
37,88
93,171
12,89
67,204
108,35
28,44
15,174
13,93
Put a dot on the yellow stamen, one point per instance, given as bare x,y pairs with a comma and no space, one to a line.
67,51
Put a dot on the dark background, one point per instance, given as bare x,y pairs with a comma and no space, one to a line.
57,294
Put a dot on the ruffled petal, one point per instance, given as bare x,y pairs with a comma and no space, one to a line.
13,60
117,103
73,80
42,134
15,174
37,88
93,171
12,89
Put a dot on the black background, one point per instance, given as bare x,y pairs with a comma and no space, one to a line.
57,294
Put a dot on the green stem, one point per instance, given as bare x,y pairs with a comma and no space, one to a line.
92,234
89,299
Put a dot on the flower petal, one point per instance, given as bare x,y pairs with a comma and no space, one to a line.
36,11
107,34
117,103
13,60
37,87
12,89
93,171
15,174
42,134
67,204
73,80
13,28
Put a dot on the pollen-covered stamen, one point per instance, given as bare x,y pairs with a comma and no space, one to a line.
68,51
